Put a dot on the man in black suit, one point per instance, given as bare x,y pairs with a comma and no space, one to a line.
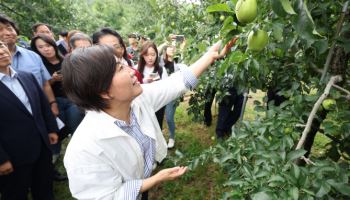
27,128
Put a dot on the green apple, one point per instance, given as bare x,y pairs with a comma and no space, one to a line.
288,130
257,40
246,11
279,52
329,104
222,17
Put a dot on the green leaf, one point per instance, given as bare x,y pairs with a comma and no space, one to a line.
202,46
262,174
179,154
324,189
295,154
276,178
287,7
220,7
261,196
256,65
153,3
228,26
308,191
345,43
278,8
340,187
278,31
234,182
294,192
226,157
296,171
237,57
321,46
304,24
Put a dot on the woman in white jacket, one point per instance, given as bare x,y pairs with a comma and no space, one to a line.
111,154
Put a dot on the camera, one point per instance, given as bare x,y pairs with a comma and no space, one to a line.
154,76
180,38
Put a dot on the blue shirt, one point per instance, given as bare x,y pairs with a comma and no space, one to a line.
11,81
29,61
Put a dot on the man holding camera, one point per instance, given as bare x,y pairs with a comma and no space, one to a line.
133,49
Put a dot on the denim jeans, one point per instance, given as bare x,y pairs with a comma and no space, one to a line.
71,117
169,116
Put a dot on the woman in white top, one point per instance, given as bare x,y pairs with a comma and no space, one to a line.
111,154
151,71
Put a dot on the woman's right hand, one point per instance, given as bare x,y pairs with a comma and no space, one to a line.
149,80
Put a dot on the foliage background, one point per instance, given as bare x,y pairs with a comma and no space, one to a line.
301,36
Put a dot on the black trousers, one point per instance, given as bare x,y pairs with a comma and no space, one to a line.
160,116
229,112
273,96
144,196
210,94
37,177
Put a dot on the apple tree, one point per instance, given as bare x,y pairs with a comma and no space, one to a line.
297,49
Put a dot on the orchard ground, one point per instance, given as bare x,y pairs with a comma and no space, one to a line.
205,182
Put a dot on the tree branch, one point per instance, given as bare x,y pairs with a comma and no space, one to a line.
307,160
314,67
338,29
341,89
332,81
12,10
300,125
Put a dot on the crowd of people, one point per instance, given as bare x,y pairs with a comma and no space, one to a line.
110,97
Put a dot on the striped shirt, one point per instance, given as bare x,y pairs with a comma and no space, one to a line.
146,143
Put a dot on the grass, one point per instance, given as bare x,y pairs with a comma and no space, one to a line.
205,182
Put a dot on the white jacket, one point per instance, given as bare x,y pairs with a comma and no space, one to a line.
101,157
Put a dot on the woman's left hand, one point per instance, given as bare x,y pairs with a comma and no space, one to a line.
163,175
170,173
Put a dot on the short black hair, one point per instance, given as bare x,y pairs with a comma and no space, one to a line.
63,33
133,35
143,37
87,73
108,31
6,20
36,25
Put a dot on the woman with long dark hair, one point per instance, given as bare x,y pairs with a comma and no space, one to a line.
151,71
68,111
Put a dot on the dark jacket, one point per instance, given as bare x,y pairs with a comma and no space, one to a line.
22,134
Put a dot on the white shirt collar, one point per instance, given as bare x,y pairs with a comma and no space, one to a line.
13,74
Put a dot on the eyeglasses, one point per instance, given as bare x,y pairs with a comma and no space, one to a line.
3,45
117,46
